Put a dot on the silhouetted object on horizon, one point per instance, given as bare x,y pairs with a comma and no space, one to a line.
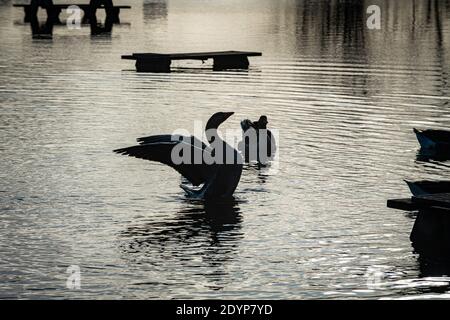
160,62
54,10
218,178
434,142
263,149
424,187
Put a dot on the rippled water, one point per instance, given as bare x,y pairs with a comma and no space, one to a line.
345,99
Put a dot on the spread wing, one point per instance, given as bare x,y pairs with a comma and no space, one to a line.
160,148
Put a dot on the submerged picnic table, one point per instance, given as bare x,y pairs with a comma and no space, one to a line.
54,10
437,202
430,235
160,62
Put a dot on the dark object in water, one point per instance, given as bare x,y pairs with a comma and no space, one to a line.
54,10
219,179
430,236
424,187
439,202
256,136
434,142
160,62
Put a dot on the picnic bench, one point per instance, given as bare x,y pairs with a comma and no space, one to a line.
430,235
160,62
437,202
54,10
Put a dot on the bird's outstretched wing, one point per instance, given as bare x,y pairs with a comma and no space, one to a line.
160,148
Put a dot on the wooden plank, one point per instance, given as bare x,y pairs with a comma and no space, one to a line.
199,55
160,62
436,200
402,204
175,56
408,205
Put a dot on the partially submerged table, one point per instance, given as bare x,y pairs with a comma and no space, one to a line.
54,10
160,62
437,202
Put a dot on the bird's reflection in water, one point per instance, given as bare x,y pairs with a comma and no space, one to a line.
201,238
258,170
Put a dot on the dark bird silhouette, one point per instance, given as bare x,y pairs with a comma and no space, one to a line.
208,165
255,137
435,141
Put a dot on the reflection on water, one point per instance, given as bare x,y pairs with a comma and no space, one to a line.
154,10
204,237
344,98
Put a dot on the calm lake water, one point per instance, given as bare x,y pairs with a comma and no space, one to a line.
344,98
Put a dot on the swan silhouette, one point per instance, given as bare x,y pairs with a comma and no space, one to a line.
206,165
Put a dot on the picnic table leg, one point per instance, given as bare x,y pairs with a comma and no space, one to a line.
115,15
32,10
230,62
86,14
27,12
90,15
53,14
153,64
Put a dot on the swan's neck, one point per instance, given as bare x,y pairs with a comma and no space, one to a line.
211,132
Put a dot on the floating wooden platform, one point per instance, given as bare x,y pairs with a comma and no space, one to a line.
160,62
53,10
438,202
430,235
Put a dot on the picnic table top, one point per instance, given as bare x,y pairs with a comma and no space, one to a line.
192,55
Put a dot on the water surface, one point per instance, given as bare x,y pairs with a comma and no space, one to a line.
345,99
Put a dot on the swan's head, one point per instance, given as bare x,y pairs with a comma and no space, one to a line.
262,122
214,122
217,119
